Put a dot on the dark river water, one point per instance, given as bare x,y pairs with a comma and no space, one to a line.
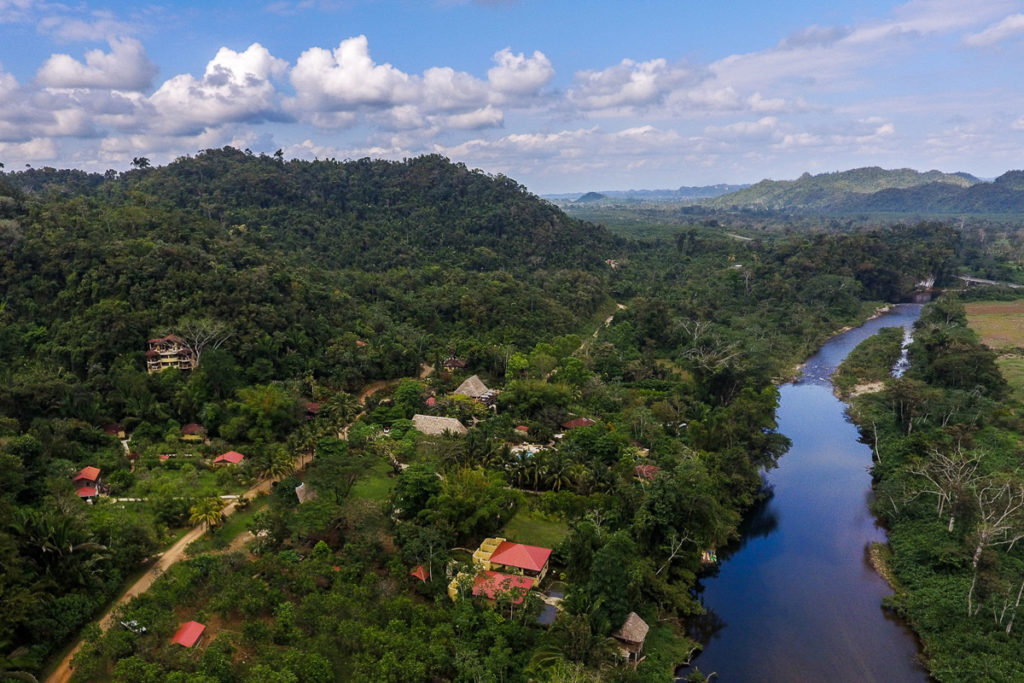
796,599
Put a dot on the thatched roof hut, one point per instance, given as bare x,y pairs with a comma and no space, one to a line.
436,426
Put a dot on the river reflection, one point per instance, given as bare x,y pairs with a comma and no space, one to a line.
796,599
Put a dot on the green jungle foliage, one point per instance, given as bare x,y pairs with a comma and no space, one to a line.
950,490
307,283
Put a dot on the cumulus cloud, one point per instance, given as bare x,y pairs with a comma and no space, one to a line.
125,67
996,33
347,77
236,86
516,75
628,83
486,117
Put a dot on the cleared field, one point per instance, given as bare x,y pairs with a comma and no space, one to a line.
1012,368
1000,324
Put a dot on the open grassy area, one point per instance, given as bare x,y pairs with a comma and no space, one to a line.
532,529
1012,368
376,484
1000,324
232,527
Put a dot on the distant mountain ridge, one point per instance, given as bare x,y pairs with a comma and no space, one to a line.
681,194
827,191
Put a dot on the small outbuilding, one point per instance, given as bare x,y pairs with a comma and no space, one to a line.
189,634
436,426
231,457
421,573
578,422
631,637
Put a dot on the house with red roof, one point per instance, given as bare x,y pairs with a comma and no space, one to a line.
87,482
492,585
193,432
646,472
578,422
420,572
528,560
231,458
169,352
189,634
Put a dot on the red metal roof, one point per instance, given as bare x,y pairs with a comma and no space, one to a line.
189,633
522,428
521,555
87,474
233,457
193,429
420,572
489,584
647,472
431,400
578,422
86,492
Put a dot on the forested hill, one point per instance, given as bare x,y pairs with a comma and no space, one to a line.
853,190
298,259
370,214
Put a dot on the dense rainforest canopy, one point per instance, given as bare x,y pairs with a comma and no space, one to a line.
312,280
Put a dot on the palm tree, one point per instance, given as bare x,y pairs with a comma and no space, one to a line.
276,464
207,511
12,664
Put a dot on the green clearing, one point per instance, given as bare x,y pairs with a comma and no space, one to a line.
376,484
221,537
533,529
1000,324
1012,368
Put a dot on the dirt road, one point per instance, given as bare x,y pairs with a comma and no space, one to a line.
174,554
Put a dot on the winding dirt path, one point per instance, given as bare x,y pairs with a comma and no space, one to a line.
176,552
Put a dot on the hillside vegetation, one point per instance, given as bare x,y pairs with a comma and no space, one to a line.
321,280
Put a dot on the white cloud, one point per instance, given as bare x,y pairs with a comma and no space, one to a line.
37,149
1009,27
515,75
125,67
99,26
628,83
236,86
486,117
347,78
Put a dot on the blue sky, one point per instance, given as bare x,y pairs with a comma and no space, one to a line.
562,96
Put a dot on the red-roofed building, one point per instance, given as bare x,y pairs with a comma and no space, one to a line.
523,428
88,476
232,457
193,432
169,352
87,492
421,573
491,585
531,560
646,472
360,343
431,400
578,422
189,633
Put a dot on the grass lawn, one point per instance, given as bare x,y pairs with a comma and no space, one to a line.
232,527
531,529
1000,324
1012,368
376,484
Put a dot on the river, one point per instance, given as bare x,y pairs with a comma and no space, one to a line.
796,599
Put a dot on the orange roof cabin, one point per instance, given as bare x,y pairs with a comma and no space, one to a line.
578,422
189,634
529,560
421,573
491,585
169,352
231,457
193,432
86,482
